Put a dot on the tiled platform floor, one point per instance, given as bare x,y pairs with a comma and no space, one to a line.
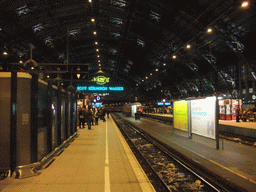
98,160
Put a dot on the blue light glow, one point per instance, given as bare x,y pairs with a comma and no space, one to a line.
93,88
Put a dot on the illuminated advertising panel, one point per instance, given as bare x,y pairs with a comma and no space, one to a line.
203,115
181,115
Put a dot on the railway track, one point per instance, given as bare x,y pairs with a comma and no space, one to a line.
165,171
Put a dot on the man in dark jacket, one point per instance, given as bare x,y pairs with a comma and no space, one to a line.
82,117
89,118
103,112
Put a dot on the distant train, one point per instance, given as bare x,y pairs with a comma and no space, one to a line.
130,109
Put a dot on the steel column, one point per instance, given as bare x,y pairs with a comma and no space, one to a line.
33,115
49,117
13,118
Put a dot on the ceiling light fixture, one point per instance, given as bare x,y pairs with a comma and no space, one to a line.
188,46
98,55
164,64
94,32
174,56
92,20
245,4
21,61
97,49
5,53
156,69
90,1
209,30
96,43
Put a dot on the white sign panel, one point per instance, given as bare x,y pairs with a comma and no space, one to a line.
203,117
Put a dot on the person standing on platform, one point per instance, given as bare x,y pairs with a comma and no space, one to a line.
89,118
81,118
93,116
103,112
237,114
108,113
96,116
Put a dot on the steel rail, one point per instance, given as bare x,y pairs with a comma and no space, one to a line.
166,152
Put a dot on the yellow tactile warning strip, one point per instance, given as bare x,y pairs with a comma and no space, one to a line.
143,180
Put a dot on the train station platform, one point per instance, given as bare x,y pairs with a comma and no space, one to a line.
245,129
98,160
235,162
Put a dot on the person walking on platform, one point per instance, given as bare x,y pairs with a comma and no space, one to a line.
81,118
238,114
103,112
89,118
93,115
108,113
96,116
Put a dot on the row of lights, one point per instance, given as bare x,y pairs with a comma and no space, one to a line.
188,46
96,43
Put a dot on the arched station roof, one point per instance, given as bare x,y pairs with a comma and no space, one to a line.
142,43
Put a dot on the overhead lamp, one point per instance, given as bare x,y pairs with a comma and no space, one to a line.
98,55
5,53
156,69
92,20
99,65
150,73
90,1
96,43
94,32
142,80
209,30
245,4
30,63
174,56
188,46
136,84
146,77
48,76
21,61
78,75
97,50
98,60
164,64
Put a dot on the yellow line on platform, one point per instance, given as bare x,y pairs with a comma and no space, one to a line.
142,178
240,175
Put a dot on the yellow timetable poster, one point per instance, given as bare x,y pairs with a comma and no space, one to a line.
181,115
